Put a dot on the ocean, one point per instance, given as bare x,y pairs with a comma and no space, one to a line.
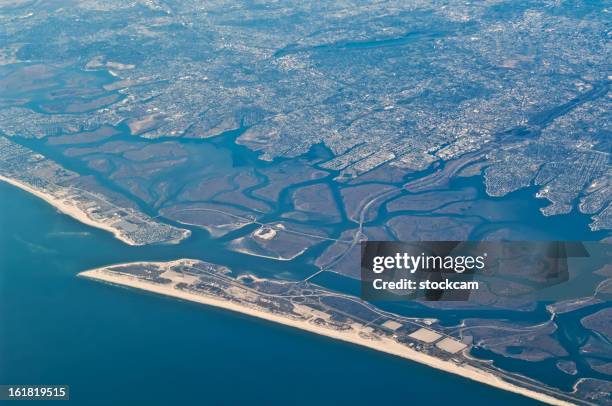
124,347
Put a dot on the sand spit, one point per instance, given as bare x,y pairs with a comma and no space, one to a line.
73,210
383,344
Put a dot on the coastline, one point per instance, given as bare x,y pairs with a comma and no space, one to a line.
384,344
68,210
78,214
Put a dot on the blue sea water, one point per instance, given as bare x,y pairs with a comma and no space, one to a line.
121,346
118,346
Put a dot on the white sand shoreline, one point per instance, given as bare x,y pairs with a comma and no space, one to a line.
385,345
80,215
71,211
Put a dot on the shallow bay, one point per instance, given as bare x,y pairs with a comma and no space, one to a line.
117,346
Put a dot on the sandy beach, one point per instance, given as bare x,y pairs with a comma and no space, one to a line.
382,344
70,210
80,215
